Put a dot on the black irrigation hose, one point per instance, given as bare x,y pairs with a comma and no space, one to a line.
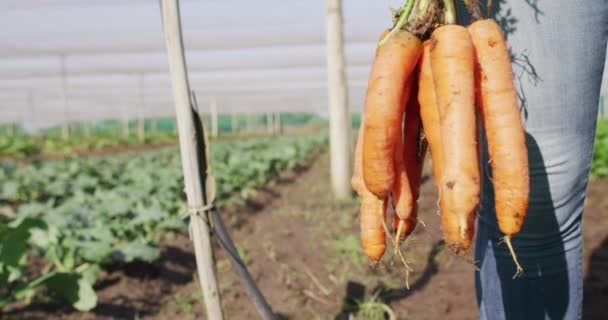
250,287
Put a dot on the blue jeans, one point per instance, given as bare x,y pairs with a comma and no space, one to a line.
558,49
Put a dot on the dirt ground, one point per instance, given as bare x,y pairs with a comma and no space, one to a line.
303,251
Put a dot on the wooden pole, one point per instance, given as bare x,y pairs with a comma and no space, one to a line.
86,125
28,113
214,116
65,129
234,122
193,173
154,127
339,128
277,122
125,121
269,122
249,122
141,114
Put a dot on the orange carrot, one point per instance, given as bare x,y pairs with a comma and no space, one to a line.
403,200
373,237
428,109
497,100
384,107
413,153
453,75
372,231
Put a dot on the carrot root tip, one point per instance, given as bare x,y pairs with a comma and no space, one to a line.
458,248
422,222
373,265
398,234
381,213
519,270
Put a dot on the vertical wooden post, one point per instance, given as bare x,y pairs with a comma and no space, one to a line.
29,112
193,173
277,122
214,116
65,126
87,128
249,122
141,114
269,122
234,122
154,124
339,120
124,120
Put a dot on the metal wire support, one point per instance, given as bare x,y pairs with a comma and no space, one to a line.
251,288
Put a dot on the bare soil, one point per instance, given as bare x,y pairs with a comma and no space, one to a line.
302,248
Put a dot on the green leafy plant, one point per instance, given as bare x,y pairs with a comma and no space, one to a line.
599,165
78,214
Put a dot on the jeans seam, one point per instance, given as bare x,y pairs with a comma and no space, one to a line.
579,274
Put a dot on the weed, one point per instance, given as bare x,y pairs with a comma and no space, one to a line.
349,246
346,220
243,253
222,265
270,250
237,222
184,303
224,287
374,309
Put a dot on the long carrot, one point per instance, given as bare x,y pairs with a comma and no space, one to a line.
393,65
384,107
452,67
414,152
428,109
373,238
415,146
403,200
497,100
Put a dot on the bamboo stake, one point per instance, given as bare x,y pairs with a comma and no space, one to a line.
28,113
193,173
270,122
234,122
339,120
277,123
65,129
86,125
154,125
125,120
214,117
141,116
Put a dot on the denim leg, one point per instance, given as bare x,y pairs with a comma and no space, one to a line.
558,49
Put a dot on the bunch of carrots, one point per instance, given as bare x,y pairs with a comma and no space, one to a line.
431,80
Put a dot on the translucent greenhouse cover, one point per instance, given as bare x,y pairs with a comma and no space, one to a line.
252,56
